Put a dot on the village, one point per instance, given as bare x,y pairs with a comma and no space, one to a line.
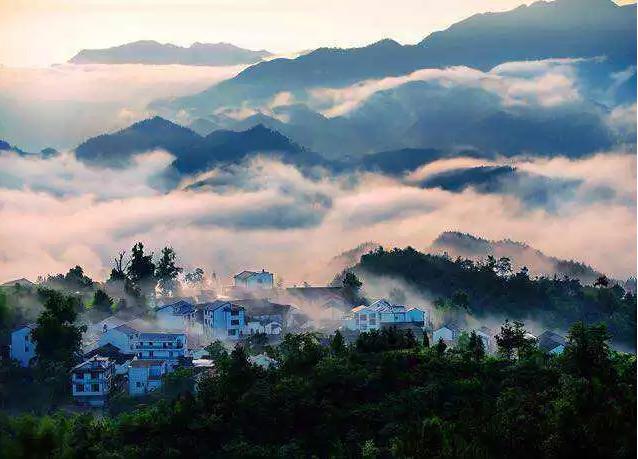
133,356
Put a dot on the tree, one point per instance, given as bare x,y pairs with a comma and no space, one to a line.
503,267
102,302
120,268
337,344
141,270
587,351
602,282
475,347
461,299
440,347
167,271
426,340
195,277
56,337
351,286
512,340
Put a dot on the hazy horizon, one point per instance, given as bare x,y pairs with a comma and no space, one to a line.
66,26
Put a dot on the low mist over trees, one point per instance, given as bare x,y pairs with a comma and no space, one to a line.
489,288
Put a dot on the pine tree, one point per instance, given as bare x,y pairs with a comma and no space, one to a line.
167,272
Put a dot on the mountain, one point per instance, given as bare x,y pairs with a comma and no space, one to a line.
230,146
155,133
465,245
192,152
152,52
559,29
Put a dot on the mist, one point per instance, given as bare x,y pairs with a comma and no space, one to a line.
266,214
63,105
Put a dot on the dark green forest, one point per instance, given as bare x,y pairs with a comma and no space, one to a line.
396,398
490,288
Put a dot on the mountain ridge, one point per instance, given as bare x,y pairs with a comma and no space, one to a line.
153,52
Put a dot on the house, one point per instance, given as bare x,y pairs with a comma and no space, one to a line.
123,337
114,354
263,361
551,343
168,346
449,333
145,376
178,315
272,328
22,282
92,381
22,345
95,330
486,336
223,320
383,313
254,280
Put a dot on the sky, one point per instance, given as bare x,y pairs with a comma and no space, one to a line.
45,32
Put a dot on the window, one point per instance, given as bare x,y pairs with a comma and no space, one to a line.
234,322
373,321
150,353
363,317
95,375
138,384
234,313
170,353
79,387
95,387
232,332
150,343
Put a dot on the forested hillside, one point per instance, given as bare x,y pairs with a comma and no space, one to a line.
384,396
491,288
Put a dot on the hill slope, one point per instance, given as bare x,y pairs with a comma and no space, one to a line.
559,29
193,152
465,245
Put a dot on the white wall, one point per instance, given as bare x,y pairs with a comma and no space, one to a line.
22,347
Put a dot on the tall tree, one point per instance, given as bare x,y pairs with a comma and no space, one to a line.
56,337
167,271
102,301
512,341
337,344
351,286
196,277
141,270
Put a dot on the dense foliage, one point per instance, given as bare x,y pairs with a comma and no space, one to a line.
402,400
491,288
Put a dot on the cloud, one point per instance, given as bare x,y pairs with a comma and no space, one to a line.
265,214
61,106
546,83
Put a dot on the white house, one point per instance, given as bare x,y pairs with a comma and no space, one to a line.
449,333
180,315
272,328
92,381
254,280
223,320
22,346
486,336
123,337
382,313
145,376
161,345
551,343
263,361
252,327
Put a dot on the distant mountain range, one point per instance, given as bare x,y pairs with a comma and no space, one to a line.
192,151
152,52
465,245
558,29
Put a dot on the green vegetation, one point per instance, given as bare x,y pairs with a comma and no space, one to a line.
394,399
491,289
